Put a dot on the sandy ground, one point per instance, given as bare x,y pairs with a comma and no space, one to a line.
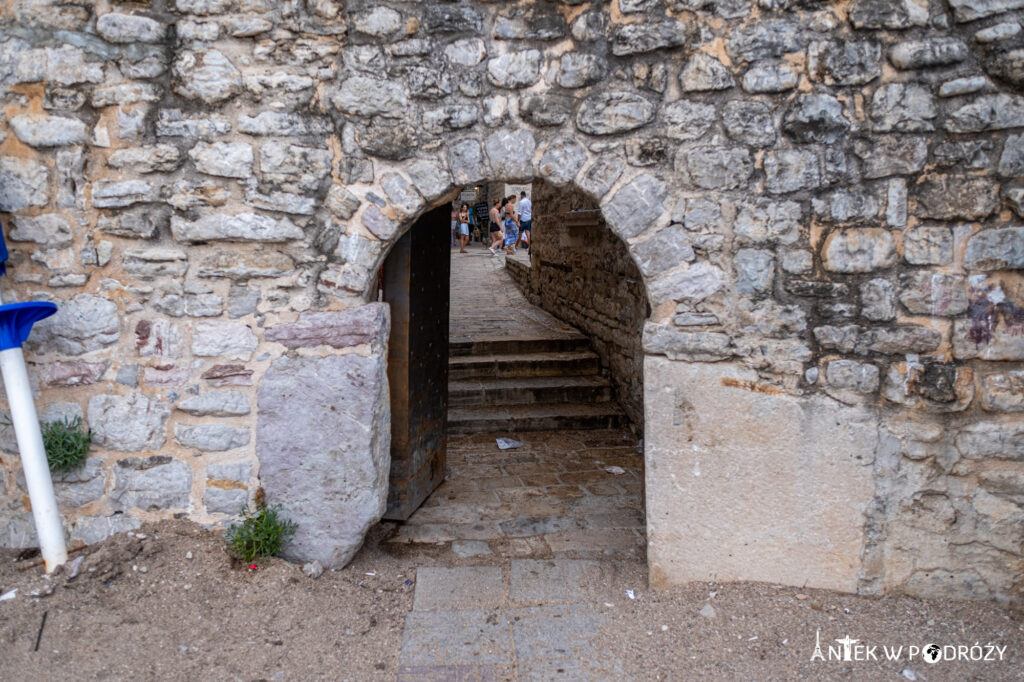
167,603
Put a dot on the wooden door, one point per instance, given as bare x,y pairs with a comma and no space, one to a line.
415,281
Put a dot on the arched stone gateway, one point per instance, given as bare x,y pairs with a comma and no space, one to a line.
823,200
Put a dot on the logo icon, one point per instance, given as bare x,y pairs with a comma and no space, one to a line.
932,653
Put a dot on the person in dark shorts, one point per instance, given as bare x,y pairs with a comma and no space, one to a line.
495,226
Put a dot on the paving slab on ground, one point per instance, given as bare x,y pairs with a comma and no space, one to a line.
508,636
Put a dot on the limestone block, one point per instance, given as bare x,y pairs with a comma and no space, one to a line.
226,159
970,10
1003,391
931,386
770,77
380,226
177,123
93,529
245,266
128,423
147,159
750,123
72,373
683,345
83,324
933,293
159,338
762,220
898,14
685,120
511,154
515,70
991,440
579,69
299,168
791,170
947,197
762,40
714,168
159,482
232,339
42,130
545,110
340,329
116,194
887,155
402,196
783,481
78,487
755,271
129,28
210,437
23,183
987,112
148,263
641,37
636,206
50,230
1011,163
206,75
466,52
452,19
665,250
613,112
323,440
860,377
704,73
242,300
917,54
241,227
903,107
125,94
562,160
215,404
225,500
859,250
844,62
878,300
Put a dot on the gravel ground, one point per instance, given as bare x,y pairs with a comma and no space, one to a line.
167,603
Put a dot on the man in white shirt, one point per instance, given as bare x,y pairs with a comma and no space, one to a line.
525,220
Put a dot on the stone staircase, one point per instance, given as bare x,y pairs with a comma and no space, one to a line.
528,385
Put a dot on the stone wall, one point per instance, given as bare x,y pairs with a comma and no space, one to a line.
583,274
827,196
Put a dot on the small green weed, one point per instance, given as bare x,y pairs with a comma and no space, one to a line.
66,443
261,534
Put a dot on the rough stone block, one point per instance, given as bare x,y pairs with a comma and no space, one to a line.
704,73
791,170
23,183
206,75
819,471
878,300
159,482
683,345
128,423
946,197
933,293
225,500
859,250
928,245
241,227
515,70
210,437
231,339
129,28
323,435
614,112
83,324
42,130
714,168
342,329
636,206
226,159
755,271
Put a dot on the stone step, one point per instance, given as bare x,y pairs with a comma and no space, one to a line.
522,365
463,347
538,417
589,388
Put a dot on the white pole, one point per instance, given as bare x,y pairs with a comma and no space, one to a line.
33,458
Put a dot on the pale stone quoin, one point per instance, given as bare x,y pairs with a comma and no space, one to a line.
808,282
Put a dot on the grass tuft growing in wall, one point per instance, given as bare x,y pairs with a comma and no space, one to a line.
261,534
66,443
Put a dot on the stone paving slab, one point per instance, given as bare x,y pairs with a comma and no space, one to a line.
556,580
434,638
555,632
461,587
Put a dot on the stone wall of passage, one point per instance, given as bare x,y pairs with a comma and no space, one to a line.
824,201
582,273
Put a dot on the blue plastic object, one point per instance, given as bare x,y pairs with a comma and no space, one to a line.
3,254
16,320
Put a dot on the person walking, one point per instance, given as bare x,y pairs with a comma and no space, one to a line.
511,226
455,222
495,226
463,227
525,220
